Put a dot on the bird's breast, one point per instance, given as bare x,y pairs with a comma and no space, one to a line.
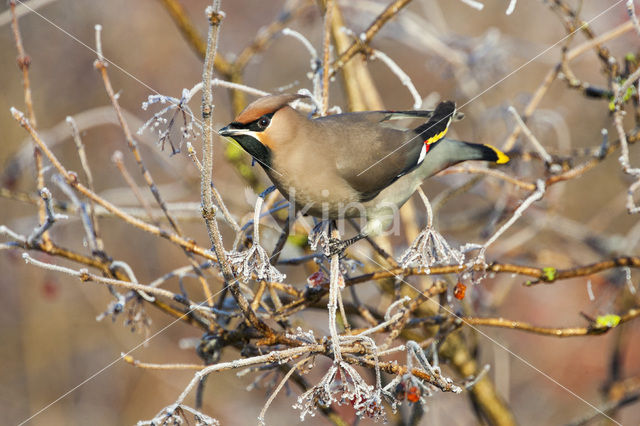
314,187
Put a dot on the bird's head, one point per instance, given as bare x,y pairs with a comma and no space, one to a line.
262,126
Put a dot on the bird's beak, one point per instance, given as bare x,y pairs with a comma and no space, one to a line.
226,131
230,132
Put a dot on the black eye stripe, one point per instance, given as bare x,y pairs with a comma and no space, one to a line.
261,123
257,125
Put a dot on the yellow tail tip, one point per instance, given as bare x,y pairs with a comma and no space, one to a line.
502,157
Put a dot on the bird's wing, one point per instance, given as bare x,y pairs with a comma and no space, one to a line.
383,117
370,157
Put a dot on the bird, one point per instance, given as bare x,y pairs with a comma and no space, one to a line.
354,164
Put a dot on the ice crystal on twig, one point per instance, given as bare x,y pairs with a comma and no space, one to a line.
137,318
319,237
177,415
430,247
408,387
342,384
348,266
165,119
254,260
303,336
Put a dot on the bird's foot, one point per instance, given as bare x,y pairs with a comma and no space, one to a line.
336,247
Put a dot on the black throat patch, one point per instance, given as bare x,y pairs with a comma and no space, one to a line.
257,150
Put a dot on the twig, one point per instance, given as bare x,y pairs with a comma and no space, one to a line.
593,329
96,240
402,76
537,195
490,172
101,66
50,218
270,358
72,180
537,96
326,47
24,61
534,141
361,91
87,222
356,47
151,366
277,389
474,4
117,159
335,283
511,7
85,276
632,15
208,209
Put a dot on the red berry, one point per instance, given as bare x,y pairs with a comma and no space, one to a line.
459,290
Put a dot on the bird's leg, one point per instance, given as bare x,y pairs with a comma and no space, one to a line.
337,246
266,192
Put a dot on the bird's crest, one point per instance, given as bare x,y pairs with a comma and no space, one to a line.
265,105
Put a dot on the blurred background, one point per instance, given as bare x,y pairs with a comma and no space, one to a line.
51,341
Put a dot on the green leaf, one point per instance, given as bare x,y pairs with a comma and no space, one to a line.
549,273
609,320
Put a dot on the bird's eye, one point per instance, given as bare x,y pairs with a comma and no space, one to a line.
264,122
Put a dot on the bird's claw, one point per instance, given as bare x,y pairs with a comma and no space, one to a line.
336,247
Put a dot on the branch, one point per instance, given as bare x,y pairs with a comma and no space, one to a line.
592,329
358,46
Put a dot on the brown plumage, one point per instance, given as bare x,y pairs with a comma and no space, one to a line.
353,164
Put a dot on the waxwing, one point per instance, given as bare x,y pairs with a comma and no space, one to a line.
352,165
